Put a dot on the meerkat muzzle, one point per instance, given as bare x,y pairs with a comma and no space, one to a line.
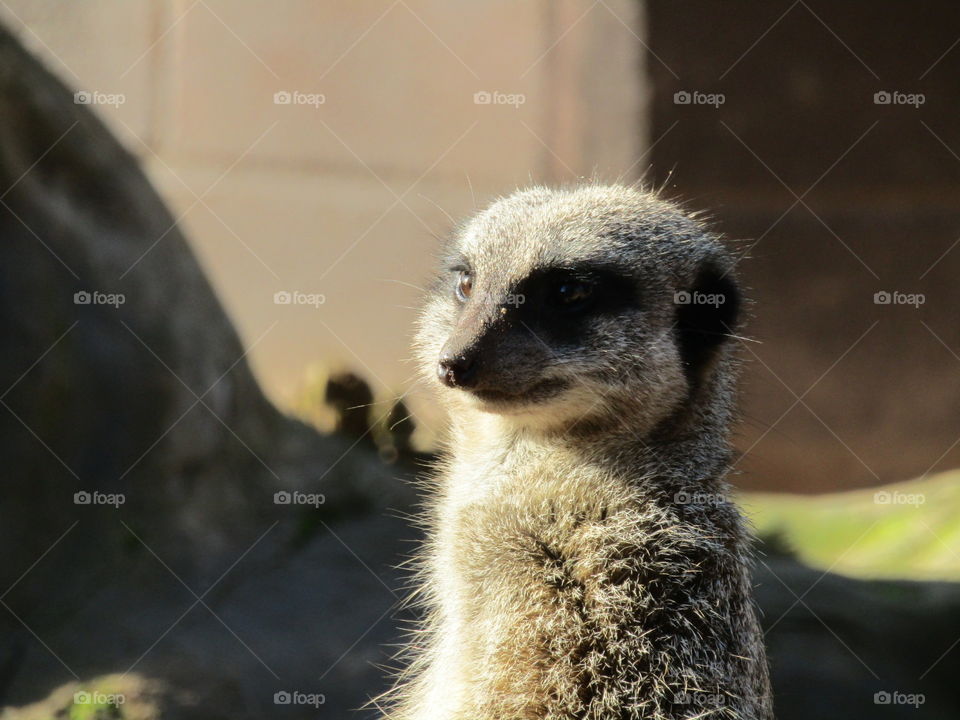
457,370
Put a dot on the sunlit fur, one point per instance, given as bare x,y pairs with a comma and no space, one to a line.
582,558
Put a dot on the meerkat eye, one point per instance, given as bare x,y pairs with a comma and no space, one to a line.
464,285
573,294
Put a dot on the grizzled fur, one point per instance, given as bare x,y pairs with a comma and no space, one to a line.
583,559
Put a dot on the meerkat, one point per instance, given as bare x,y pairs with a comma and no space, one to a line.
583,558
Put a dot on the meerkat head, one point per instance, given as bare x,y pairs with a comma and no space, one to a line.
557,306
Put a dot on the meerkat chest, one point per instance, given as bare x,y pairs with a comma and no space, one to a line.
513,534
543,568
537,569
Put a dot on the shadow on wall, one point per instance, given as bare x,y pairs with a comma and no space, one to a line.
831,145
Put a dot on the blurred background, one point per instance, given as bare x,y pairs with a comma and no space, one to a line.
216,220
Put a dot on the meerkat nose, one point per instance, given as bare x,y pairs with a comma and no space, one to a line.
456,370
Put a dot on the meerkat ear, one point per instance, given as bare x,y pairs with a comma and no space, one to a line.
707,314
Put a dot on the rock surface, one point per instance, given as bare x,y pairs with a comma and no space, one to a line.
198,580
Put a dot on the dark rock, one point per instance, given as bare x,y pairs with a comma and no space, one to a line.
122,376
836,644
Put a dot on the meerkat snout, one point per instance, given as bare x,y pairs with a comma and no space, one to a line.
456,369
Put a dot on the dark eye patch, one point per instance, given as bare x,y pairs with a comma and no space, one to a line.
610,293
611,290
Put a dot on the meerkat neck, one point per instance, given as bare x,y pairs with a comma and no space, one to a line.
673,457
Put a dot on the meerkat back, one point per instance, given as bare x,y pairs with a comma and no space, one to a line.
584,559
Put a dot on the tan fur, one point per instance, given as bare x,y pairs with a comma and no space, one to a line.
583,560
